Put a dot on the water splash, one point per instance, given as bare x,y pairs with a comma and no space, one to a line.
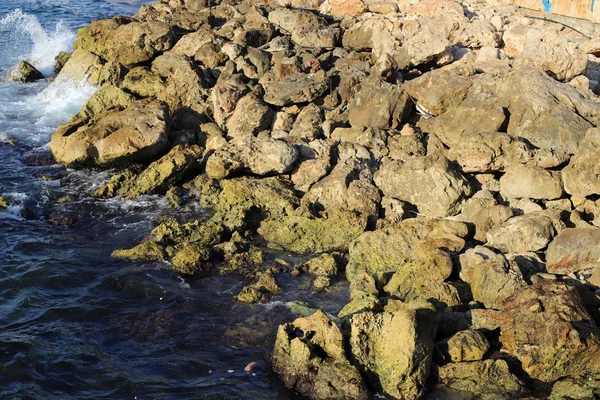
46,44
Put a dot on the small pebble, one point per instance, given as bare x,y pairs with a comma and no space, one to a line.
250,367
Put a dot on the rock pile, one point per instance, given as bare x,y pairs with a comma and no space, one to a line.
443,154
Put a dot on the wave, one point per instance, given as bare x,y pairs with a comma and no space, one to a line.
46,44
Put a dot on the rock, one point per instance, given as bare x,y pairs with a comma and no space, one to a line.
559,57
525,181
60,60
225,95
379,105
348,187
494,280
585,388
485,214
351,8
305,235
581,175
310,358
162,174
325,264
470,345
425,47
549,330
250,116
124,41
360,303
293,89
440,89
191,259
137,133
490,152
105,97
3,202
479,33
290,19
146,251
308,124
25,72
256,292
394,350
487,380
572,250
431,183
523,233
380,252
260,156
422,278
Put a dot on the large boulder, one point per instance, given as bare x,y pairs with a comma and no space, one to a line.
468,345
126,42
572,250
490,152
310,358
105,97
485,380
394,350
484,212
260,156
527,181
296,88
495,279
547,327
137,133
379,105
301,234
581,175
432,183
348,187
25,72
523,233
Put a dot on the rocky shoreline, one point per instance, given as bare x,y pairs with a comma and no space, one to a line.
440,156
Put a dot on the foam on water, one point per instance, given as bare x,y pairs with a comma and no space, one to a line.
46,44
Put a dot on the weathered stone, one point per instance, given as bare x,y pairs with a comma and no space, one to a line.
494,280
486,380
191,259
297,88
105,97
485,214
379,105
472,257
394,350
359,303
523,233
431,183
310,358
319,235
525,181
250,116
490,152
138,133
260,156
422,277
549,330
581,175
572,250
470,345
25,72
325,264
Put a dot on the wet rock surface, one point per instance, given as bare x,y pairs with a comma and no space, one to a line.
439,156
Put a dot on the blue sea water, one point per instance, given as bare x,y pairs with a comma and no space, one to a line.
75,323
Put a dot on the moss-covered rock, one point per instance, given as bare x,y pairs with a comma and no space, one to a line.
360,303
486,380
257,292
469,345
246,264
3,202
147,251
394,350
25,72
105,97
191,259
305,235
310,358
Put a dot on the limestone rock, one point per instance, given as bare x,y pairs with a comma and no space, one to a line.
494,280
572,250
549,330
260,156
310,358
137,133
431,183
394,350
581,175
293,89
105,97
250,116
469,345
490,152
485,214
524,181
379,105
25,72
319,235
487,380
523,233
191,259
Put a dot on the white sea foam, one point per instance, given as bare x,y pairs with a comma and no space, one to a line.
46,45
62,99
